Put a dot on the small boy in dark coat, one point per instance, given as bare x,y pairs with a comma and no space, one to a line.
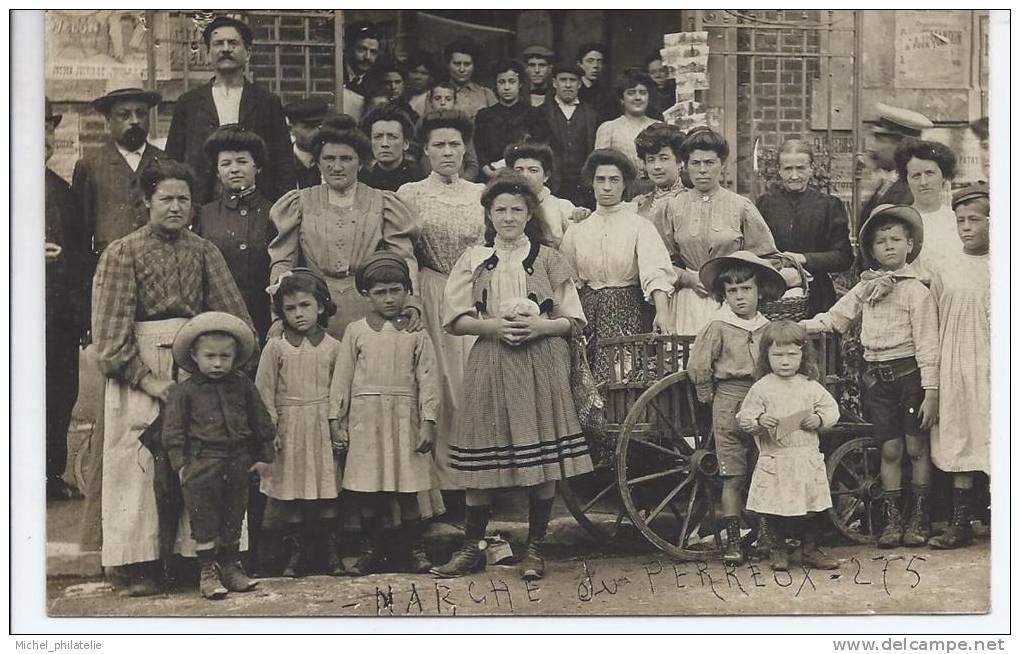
216,430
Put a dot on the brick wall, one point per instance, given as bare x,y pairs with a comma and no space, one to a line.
773,92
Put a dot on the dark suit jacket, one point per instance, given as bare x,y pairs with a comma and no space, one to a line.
815,225
898,193
195,118
65,282
569,154
498,126
109,197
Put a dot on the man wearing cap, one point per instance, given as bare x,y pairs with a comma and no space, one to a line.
891,127
362,42
572,126
66,316
538,61
230,98
305,116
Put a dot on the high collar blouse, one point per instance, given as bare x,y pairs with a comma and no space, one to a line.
614,248
450,216
702,226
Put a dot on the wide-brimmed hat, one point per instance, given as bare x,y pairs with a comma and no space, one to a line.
213,321
771,284
52,118
902,213
103,104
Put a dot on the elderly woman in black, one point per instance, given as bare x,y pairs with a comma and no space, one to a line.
808,225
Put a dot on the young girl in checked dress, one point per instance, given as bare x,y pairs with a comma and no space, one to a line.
518,425
784,410
293,378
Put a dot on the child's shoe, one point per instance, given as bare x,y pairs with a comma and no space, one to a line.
812,557
334,564
918,529
294,544
734,552
209,583
143,581
533,565
892,535
469,558
231,573
368,559
959,533
779,558
418,560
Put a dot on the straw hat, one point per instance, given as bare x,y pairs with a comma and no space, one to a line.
213,321
901,213
771,284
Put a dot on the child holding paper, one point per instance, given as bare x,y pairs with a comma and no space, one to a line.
784,410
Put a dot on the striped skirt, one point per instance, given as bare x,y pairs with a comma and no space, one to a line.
517,425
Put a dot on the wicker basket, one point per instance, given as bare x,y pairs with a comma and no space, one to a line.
790,308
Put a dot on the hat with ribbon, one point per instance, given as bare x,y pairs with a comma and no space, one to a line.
897,121
901,213
771,284
213,321
104,103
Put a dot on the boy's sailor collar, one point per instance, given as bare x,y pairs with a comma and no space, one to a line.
726,315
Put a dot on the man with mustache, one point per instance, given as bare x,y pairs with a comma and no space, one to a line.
362,44
231,98
111,205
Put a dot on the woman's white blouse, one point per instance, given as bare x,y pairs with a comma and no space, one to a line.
616,247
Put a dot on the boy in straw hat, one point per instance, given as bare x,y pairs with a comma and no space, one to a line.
216,430
900,335
722,368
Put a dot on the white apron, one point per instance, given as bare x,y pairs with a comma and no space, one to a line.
130,518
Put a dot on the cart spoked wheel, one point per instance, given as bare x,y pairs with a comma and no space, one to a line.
667,470
853,471
594,501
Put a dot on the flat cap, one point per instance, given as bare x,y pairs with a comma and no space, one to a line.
567,67
975,191
898,121
309,110
538,51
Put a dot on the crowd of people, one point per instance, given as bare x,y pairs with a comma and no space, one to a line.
367,309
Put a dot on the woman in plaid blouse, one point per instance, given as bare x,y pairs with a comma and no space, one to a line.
147,285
